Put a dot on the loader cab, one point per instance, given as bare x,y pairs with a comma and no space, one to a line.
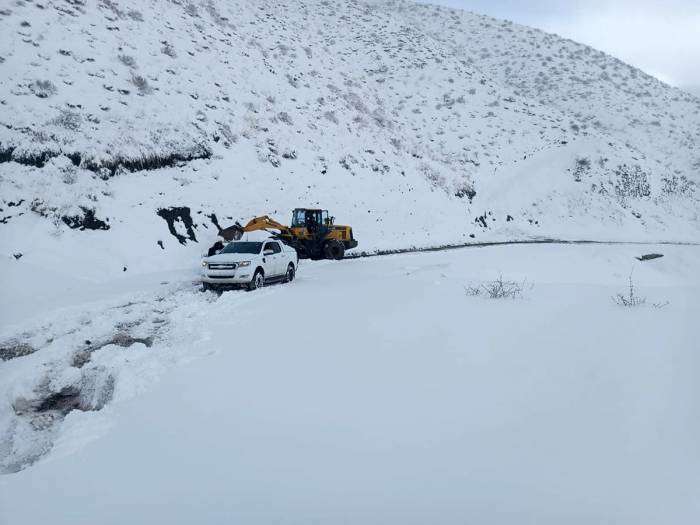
311,218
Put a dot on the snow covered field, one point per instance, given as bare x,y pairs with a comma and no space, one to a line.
368,391
376,390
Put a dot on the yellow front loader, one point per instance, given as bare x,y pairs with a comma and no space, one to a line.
313,233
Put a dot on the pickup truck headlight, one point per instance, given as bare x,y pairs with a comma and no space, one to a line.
243,263
204,264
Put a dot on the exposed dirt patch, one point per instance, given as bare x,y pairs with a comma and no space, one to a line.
147,163
82,396
13,349
82,357
178,214
31,434
64,401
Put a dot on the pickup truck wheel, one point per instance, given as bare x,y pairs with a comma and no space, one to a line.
205,287
258,280
289,276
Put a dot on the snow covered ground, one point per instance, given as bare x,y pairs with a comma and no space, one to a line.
368,391
373,390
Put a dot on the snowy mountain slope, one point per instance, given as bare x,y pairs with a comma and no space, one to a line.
417,125
596,91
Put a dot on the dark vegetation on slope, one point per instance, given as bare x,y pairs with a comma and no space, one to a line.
87,221
106,168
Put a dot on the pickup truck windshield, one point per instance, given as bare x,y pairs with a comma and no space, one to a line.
243,247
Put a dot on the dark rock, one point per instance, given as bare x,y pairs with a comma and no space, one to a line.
182,214
215,248
649,257
87,222
465,192
212,217
126,340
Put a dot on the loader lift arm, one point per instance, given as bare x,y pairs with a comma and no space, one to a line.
264,222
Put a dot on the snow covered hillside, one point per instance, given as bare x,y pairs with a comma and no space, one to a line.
417,125
409,401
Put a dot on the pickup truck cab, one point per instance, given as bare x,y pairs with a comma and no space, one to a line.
251,264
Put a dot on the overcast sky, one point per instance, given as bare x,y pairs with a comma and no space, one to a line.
662,37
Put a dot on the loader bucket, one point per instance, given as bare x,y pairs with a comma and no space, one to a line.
232,233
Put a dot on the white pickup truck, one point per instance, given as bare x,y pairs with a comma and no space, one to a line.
250,264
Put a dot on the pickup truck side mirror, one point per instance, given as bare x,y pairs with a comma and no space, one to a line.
268,252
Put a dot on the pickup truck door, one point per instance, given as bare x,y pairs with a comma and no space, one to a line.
273,262
279,258
283,258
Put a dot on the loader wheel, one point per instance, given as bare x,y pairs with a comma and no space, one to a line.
289,276
334,250
258,280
